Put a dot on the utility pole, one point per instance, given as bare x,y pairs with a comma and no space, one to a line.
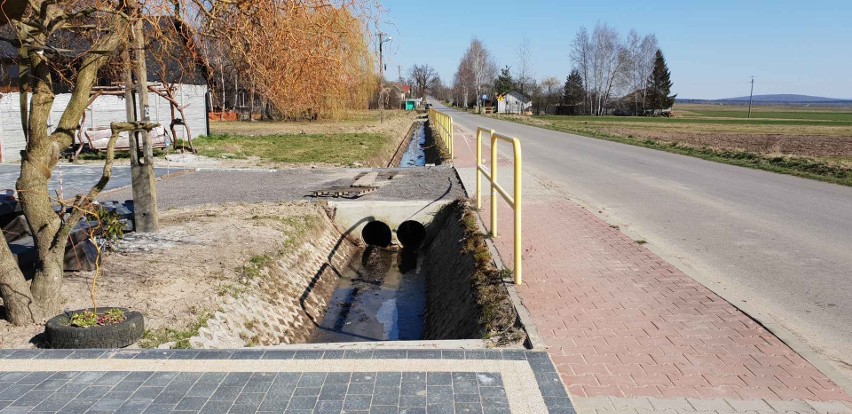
381,57
142,168
381,102
750,96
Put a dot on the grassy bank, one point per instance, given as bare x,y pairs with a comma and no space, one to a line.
333,149
812,144
360,139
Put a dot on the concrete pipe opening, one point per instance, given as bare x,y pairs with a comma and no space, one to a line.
411,234
377,233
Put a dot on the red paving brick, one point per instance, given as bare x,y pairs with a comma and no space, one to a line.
620,321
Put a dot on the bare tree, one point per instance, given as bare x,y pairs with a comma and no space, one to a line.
524,76
640,63
551,90
307,58
424,78
482,67
602,57
463,83
581,55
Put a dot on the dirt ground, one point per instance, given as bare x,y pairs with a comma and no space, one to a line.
827,141
761,143
180,274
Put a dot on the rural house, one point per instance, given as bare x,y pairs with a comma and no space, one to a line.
513,102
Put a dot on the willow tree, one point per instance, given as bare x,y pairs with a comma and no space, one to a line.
308,58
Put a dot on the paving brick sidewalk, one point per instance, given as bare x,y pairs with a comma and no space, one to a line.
629,331
414,381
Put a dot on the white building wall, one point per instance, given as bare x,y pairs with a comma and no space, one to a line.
510,104
103,111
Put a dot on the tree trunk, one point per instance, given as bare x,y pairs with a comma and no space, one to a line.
222,77
17,298
39,159
142,169
27,303
251,103
478,100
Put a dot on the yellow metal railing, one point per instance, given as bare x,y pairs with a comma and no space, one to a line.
515,200
443,125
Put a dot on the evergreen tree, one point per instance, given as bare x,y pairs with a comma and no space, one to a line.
504,82
660,84
573,93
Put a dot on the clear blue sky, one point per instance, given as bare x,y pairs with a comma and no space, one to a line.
712,47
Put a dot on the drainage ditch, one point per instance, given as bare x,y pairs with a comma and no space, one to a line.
376,271
432,281
420,282
419,148
415,154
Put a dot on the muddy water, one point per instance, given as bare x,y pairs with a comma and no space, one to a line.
415,155
379,298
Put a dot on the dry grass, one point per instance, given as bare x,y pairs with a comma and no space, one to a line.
359,139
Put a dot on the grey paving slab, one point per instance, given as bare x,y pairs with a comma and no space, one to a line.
151,391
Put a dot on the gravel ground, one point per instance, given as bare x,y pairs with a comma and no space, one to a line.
251,186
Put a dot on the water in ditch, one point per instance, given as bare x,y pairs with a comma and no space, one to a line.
380,297
415,155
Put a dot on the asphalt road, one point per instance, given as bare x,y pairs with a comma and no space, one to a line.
778,246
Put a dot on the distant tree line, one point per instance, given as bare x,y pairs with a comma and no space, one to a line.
611,74
607,65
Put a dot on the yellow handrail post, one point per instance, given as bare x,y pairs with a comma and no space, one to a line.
452,138
518,206
515,200
478,170
493,186
446,138
443,127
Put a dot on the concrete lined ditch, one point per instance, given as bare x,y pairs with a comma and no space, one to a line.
420,286
382,295
377,271
415,153
331,287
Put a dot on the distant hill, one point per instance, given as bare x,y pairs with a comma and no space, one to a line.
786,97
774,99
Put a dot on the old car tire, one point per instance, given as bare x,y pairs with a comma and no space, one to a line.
63,336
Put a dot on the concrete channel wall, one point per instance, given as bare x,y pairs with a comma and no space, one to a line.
288,299
284,303
451,308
